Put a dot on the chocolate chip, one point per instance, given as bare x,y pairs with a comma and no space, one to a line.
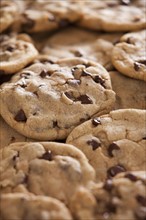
55,124
5,78
10,48
63,22
111,208
2,72
125,2
140,213
47,156
137,66
128,41
113,171
131,177
29,23
13,139
112,147
84,99
43,73
142,62
141,200
20,116
144,138
78,53
108,186
35,92
99,80
94,144
96,121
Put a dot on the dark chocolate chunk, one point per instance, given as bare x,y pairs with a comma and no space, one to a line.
63,22
43,73
140,213
112,147
137,66
131,177
20,116
96,121
113,171
141,200
99,80
47,156
94,144
84,99
125,2
108,186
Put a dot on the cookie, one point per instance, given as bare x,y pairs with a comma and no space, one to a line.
128,56
46,168
8,135
130,93
113,143
74,42
111,15
8,10
46,101
15,54
48,15
22,206
120,198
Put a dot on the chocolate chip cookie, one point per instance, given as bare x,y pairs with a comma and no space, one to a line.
15,53
130,93
46,101
111,15
113,143
129,56
47,168
32,207
120,198
75,42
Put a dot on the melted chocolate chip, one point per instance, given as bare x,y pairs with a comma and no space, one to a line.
125,2
43,73
20,116
63,22
96,121
137,66
141,200
84,99
10,48
113,171
108,186
99,80
112,147
131,177
140,213
47,156
94,144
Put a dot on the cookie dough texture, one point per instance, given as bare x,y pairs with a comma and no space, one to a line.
130,93
75,42
45,15
8,135
129,56
46,101
8,10
113,143
32,207
47,168
120,198
113,15
15,53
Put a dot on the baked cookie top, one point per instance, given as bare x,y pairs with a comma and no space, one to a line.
111,15
113,143
129,56
15,53
75,42
45,168
120,198
32,207
46,101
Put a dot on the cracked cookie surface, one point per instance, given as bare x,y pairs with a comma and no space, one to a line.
46,101
113,143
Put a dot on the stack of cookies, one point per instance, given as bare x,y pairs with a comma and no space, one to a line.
73,110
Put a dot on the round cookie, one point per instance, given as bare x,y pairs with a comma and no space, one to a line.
111,15
128,56
74,42
45,168
15,53
120,198
8,135
48,15
46,101
113,143
8,11
130,93
22,206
